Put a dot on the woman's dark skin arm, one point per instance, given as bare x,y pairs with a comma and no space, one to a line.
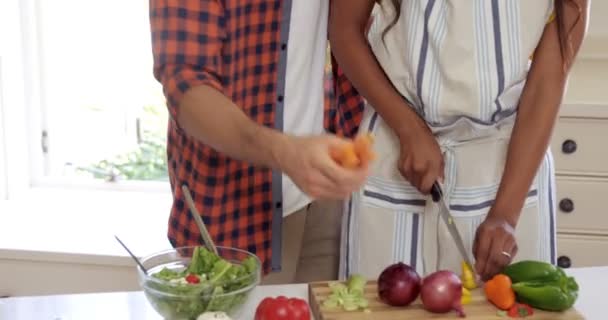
421,162
536,117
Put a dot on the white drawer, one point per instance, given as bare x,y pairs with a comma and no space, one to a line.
580,146
582,251
581,205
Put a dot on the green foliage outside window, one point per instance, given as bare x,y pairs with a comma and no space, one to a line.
148,161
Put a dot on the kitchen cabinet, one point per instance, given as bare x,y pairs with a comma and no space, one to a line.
47,273
62,241
580,150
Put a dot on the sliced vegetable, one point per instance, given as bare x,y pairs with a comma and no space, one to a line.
282,308
356,284
468,277
399,285
520,310
349,297
442,292
466,296
498,291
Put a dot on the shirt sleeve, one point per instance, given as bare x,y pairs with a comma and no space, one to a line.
187,39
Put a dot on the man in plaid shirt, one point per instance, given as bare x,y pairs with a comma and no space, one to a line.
244,87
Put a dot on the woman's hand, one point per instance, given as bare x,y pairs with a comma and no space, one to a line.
421,162
494,247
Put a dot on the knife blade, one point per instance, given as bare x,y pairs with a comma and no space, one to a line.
444,212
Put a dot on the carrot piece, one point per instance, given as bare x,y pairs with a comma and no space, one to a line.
499,292
355,153
349,158
363,147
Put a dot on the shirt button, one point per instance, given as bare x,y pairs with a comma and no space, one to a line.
279,205
283,46
280,98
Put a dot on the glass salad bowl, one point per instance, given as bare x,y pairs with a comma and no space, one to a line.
185,282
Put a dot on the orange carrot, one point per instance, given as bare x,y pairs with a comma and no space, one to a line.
363,147
355,153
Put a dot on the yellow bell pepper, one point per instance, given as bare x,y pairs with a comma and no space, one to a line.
466,296
467,277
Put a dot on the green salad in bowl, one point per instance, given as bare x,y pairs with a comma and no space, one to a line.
187,282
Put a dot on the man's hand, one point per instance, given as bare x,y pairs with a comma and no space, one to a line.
494,247
308,162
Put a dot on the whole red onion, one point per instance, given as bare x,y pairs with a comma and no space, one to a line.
441,292
398,285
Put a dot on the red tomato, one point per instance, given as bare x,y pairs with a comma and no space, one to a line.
520,310
192,278
282,308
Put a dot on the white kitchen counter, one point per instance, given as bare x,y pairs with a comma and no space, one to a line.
134,306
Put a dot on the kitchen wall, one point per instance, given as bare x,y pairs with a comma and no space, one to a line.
589,80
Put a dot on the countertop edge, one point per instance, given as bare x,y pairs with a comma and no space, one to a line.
65,257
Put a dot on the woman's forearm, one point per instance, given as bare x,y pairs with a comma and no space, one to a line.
527,148
537,114
348,23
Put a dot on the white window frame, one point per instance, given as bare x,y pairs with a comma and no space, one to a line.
34,114
14,116
128,208
3,178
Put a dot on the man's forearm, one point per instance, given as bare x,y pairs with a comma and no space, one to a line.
212,118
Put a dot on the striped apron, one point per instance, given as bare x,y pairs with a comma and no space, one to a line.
388,221
464,75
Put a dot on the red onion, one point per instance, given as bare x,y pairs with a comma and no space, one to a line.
398,285
441,293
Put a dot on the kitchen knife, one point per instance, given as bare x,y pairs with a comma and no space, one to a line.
444,212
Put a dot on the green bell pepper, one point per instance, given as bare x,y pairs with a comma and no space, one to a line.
542,285
529,270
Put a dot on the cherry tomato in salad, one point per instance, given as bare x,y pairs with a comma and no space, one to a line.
193,279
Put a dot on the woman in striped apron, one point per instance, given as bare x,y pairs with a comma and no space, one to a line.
454,95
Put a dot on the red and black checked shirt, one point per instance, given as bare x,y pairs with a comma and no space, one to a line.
237,47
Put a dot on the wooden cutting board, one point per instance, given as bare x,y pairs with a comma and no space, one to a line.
478,309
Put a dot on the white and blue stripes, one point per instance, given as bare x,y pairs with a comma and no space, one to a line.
500,67
439,31
406,247
422,58
491,41
485,80
547,205
513,54
463,64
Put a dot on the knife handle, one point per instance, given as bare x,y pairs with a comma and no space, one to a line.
436,192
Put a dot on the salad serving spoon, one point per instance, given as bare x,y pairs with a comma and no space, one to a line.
199,221
132,255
